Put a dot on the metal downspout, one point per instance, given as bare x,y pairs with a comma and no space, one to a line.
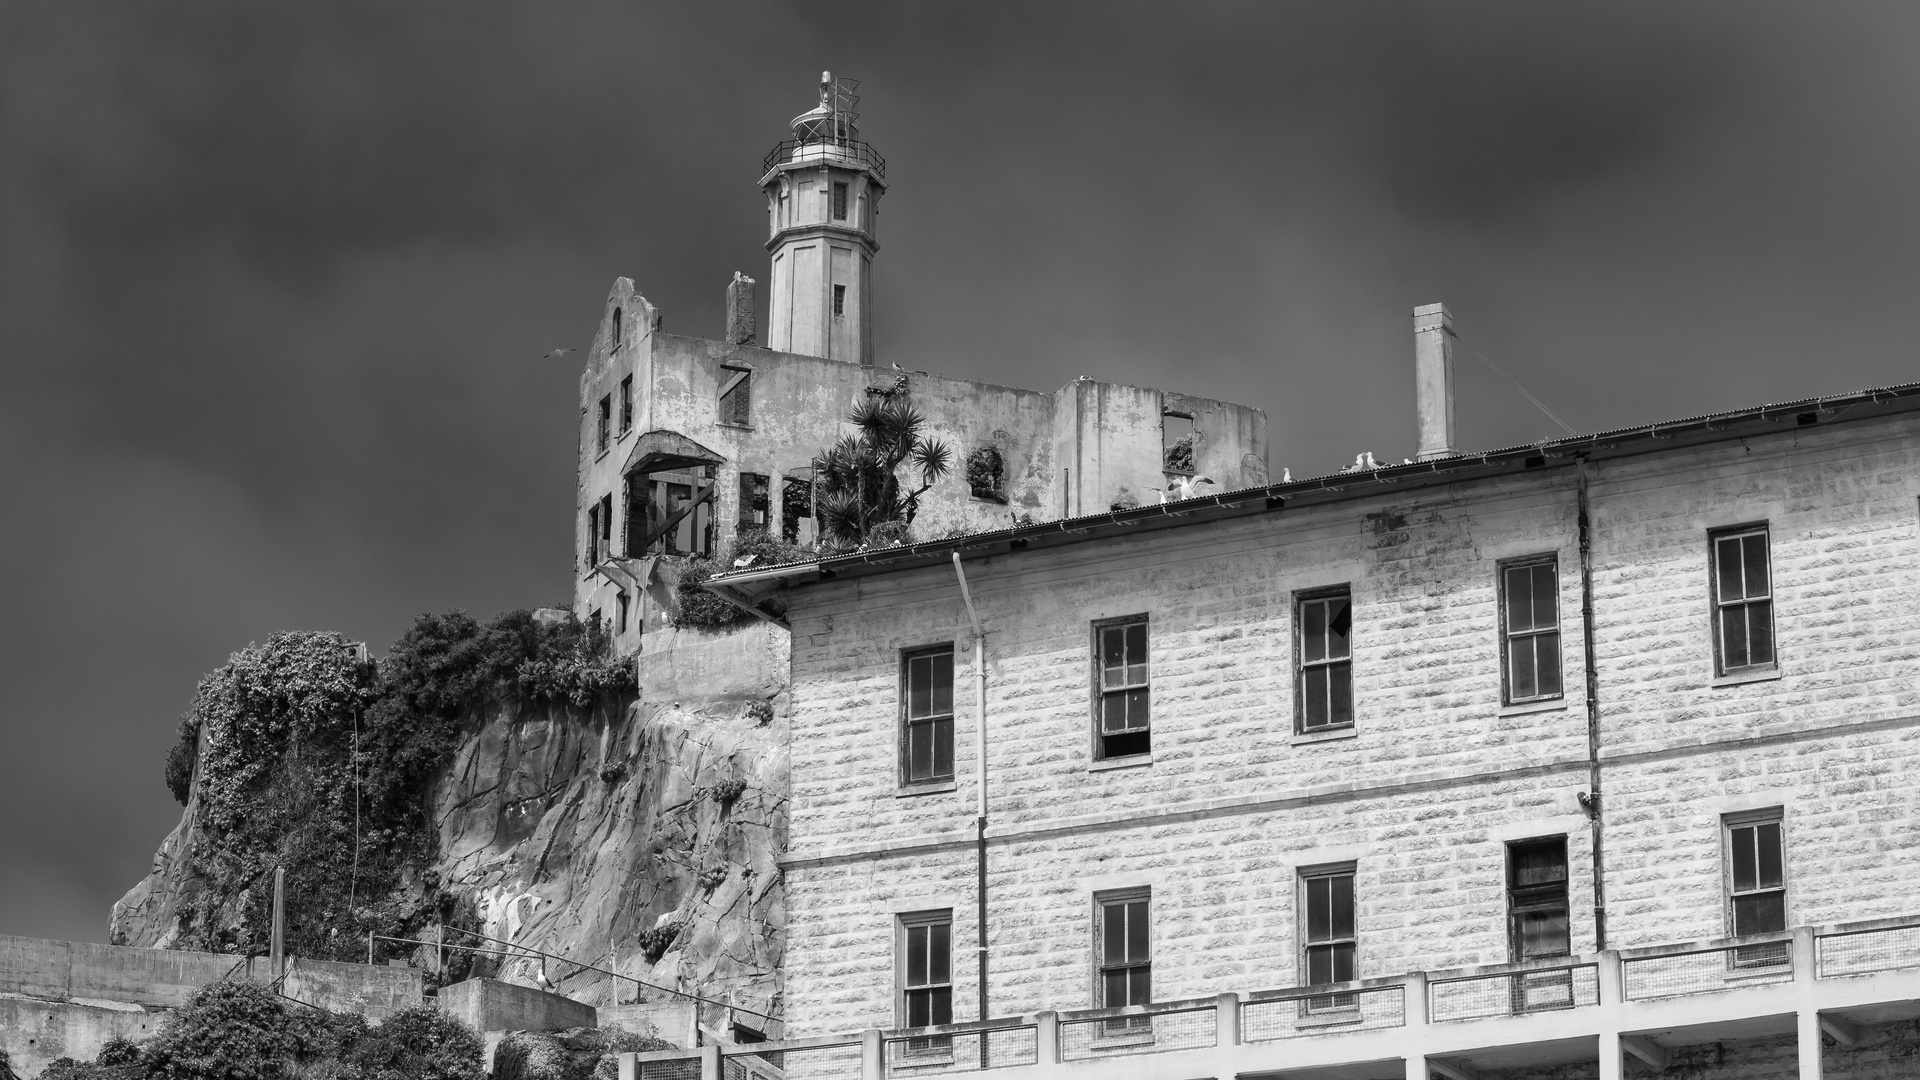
1591,800
979,779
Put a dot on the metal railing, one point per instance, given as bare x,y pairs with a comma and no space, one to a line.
1514,990
1708,968
825,152
1336,1008
1862,949
831,1060
1139,1029
953,1048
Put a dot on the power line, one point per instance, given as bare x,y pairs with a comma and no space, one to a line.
1516,383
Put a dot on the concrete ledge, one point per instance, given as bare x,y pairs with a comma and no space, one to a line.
491,1005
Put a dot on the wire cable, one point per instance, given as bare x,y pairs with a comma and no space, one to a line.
1516,383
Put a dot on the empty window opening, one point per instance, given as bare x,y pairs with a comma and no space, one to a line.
1326,667
616,327
1331,944
754,496
1530,624
1121,688
1538,925
839,299
604,549
1176,442
926,737
1123,951
736,396
605,426
670,512
1742,600
1757,885
926,977
839,202
620,612
626,405
796,511
591,555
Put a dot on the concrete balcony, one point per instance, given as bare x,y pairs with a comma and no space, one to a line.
1602,1009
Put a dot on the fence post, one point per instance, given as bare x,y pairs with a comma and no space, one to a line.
1047,1038
1414,999
1226,1020
1806,964
873,1055
710,1062
629,1067
1609,972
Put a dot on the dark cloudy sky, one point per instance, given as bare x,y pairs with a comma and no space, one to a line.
275,280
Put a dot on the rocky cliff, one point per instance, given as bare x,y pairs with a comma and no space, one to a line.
637,833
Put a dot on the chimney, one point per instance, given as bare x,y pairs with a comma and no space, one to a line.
742,327
1433,380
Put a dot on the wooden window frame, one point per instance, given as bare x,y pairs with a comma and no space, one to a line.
938,1046
603,437
1301,665
626,404
1508,635
1308,875
933,719
1731,825
1100,690
735,377
1720,607
1102,902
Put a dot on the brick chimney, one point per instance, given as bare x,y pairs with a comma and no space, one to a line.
742,327
1433,380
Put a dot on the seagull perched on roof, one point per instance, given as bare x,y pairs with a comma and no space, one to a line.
1186,487
541,978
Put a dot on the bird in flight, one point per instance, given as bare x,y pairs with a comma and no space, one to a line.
556,352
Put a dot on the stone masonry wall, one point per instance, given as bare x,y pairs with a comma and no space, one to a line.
1436,776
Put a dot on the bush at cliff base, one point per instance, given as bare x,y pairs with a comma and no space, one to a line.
573,1054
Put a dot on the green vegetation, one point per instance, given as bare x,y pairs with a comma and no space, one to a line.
574,1054
859,499
700,608
240,1031
307,746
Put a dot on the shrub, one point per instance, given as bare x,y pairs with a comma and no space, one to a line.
701,608
421,1043
180,758
228,1031
654,943
986,474
712,876
727,790
573,1054
760,712
859,489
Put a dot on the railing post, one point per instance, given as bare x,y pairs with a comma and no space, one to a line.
1226,1020
873,1055
710,1062
629,1067
1609,974
1613,1066
1809,1033
1414,1000
1048,1038
1806,964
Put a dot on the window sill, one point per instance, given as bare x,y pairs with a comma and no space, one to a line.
927,789
1338,1016
623,436
1525,707
603,453
736,427
1332,735
1128,762
1740,678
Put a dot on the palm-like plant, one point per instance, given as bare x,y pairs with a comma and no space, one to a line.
859,497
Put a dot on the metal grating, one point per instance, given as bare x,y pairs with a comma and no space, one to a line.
835,1061
1299,1015
687,1068
1866,951
1514,993
1154,1033
938,1055
1706,971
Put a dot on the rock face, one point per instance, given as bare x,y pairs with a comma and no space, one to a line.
643,839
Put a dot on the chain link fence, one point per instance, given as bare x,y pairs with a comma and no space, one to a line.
1297,1014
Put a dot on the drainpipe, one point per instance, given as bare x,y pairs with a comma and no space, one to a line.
979,775
1591,800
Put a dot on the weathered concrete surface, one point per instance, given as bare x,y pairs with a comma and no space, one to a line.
491,1005
746,664
34,1031
676,1021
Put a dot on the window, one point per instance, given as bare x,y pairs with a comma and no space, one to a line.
1742,600
839,202
616,327
839,299
606,423
926,976
620,612
604,549
1537,899
736,396
1121,693
1123,956
593,537
1329,943
1530,628
796,510
1756,884
1326,665
626,405
754,493
926,738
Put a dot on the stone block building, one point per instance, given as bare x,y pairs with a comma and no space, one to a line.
1585,758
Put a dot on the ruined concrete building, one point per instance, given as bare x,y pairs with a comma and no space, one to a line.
686,441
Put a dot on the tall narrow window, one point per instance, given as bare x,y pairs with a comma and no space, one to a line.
754,494
1330,941
626,405
1537,921
796,510
1530,626
620,613
736,396
593,537
616,328
1121,688
1756,883
926,737
926,975
1326,665
1123,955
605,547
839,299
1742,600
605,428
839,201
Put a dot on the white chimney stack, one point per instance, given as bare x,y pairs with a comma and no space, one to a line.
1433,380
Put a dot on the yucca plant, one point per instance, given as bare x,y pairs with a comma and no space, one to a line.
859,498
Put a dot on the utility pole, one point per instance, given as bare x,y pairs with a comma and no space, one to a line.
278,959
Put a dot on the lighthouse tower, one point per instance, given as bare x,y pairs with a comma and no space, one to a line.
823,192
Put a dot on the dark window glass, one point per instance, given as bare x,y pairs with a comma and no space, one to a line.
1331,941
1537,899
1125,954
1530,622
626,405
755,491
620,612
616,326
839,202
1758,889
605,429
927,739
1124,693
1743,601
1326,667
839,299
926,979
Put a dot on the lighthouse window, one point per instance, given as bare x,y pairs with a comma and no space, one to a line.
839,299
839,202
